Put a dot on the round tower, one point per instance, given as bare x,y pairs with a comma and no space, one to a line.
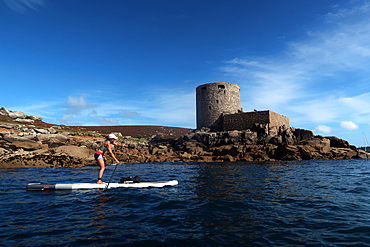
214,99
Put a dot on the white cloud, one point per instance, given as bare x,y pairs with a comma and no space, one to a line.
349,125
75,105
324,129
22,6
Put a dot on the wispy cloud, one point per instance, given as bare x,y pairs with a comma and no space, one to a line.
22,6
128,114
41,109
74,106
66,119
319,110
359,106
265,81
320,79
98,119
340,13
107,121
172,107
157,106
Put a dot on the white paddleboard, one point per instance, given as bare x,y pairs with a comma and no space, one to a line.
86,186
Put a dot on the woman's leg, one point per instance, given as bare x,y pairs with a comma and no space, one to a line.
101,171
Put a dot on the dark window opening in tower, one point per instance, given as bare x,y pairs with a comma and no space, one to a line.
209,107
216,101
221,87
204,88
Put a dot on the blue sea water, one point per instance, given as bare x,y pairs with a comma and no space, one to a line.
301,203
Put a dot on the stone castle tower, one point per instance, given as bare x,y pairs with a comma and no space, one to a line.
215,99
218,108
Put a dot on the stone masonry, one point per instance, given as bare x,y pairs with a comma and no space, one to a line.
219,108
214,99
247,120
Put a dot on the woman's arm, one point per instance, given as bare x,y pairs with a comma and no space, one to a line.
119,145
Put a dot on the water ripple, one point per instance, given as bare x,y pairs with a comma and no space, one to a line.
307,203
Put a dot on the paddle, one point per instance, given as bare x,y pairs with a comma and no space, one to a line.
115,169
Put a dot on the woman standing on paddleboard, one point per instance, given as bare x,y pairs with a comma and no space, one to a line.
106,146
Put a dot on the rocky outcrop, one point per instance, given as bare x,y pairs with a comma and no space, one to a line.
25,147
19,116
257,145
53,147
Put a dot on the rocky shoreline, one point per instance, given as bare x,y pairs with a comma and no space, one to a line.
255,145
25,145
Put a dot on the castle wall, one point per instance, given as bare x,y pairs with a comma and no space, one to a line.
247,120
244,120
278,121
215,99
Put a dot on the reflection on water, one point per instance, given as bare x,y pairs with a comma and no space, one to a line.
101,209
246,181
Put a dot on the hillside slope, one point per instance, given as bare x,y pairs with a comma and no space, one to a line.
133,130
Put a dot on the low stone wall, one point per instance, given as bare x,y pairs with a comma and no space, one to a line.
247,120
244,120
278,122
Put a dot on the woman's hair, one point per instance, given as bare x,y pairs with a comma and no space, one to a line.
107,137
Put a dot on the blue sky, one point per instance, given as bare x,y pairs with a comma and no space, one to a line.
117,62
